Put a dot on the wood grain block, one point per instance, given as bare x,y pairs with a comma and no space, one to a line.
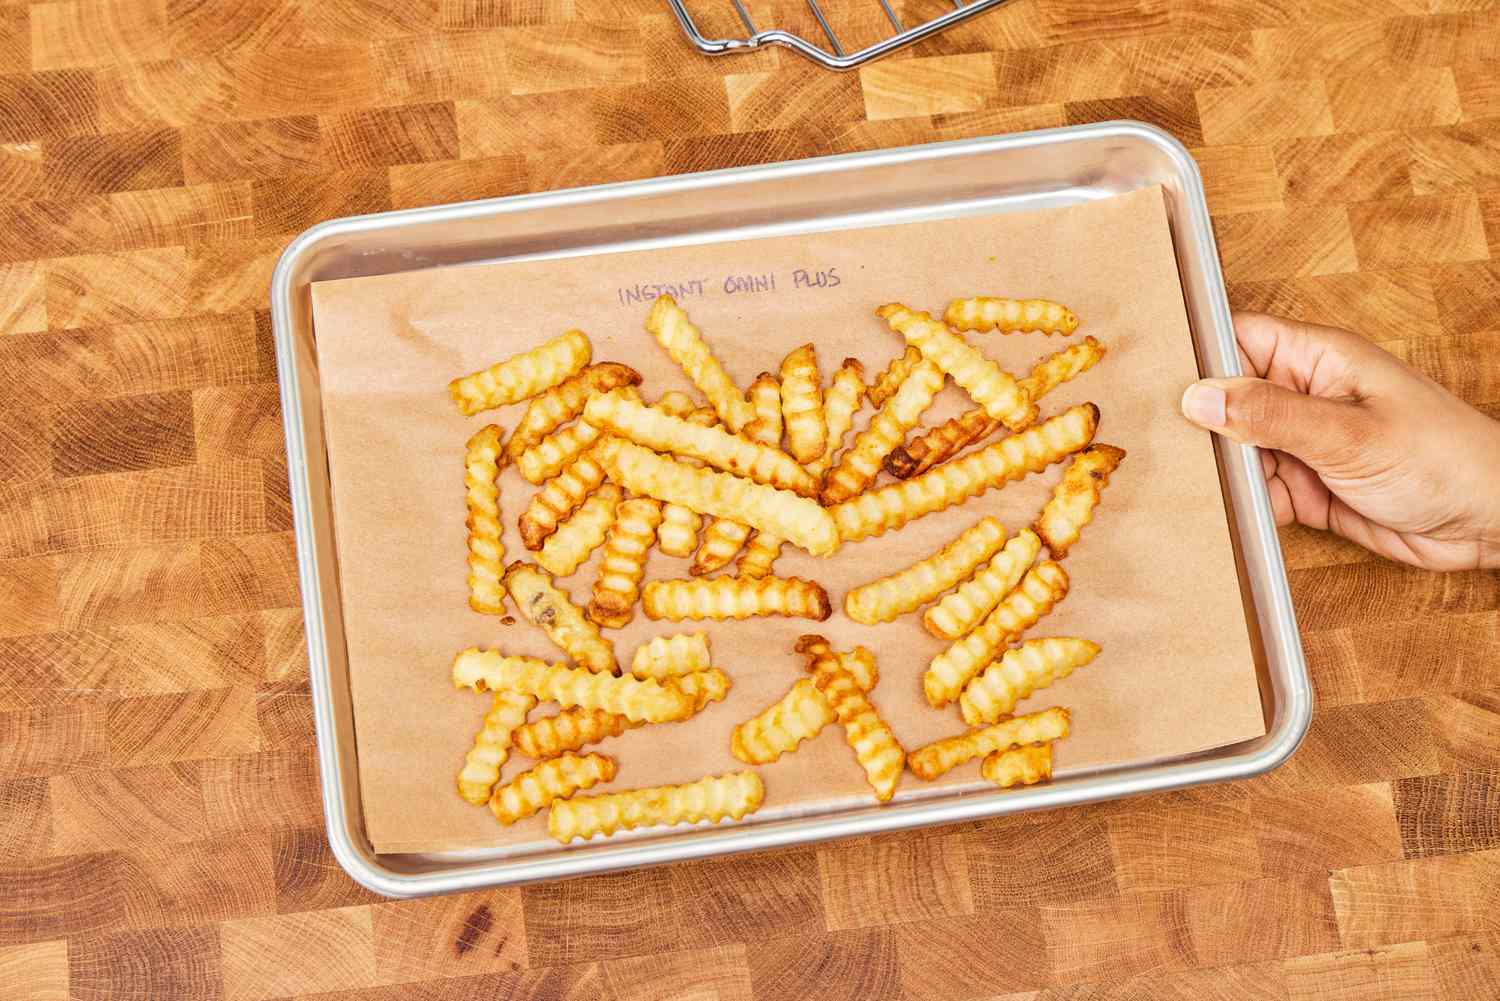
658,110
1448,360
1117,936
97,289
887,880
249,573
48,104
451,936
285,645
261,791
1156,848
39,971
1478,91
290,203
1261,919
23,299
720,973
1445,653
1417,899
1489,209
1442,40
1389,590
1436,228
232,276
573,983
15,40
72,33
1466,967
1381,305
1259,112
223,497
49,740
1448,814
609,916
25,820
668,53
604,165
208,29
133,432
1398,971
441,67
284,714
231,151
443,181
1394,98
793,96
29,596
177,965
759,896
21,176
971,956
96,810
853,137
1350,745
1458,157
1293,835
1344,168
175,93
852,965
574,54
388,136
1062,857
127,161
319,951
737,149
968,124
1466,726
308,877
1467,296
202,213
54,228
238,420
1014,26
517,125
1251,982
276,493
213,723
1310,50
57,897
28,678
1176,112
1291,243
928,86
1311,547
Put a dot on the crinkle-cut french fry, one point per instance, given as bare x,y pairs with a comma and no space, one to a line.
565,401
765,399
492,746
1018,766
1073,500
483,459
733,795
544,604
941,756
722,539
802,712
1018,672
735,598
1010,316
624,563
677,403
491,670
759,555
678,533
660,431
559,497
958,433
802,404
1043,586
548,781
523,375
554,453
671,656
669,324
569,730
859,662
890,597
861,461
876,512
892,376
840,403
583,532
875,747
800,520
958,613
993,388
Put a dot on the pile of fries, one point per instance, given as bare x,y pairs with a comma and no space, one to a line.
741,476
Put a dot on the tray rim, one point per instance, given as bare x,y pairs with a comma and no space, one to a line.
1293,710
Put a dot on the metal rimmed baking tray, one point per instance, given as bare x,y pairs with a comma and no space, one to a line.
1027,171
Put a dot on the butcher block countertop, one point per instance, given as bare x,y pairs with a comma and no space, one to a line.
160,827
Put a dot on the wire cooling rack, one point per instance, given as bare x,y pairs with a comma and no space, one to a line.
834,56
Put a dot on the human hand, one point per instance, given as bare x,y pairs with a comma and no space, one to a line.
1358,443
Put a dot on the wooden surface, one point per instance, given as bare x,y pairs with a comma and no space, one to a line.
160,832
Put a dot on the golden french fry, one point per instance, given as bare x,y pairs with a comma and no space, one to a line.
671,656
1074,498
583,532
1018,766
559,497
765,400
735,598
894,374
1062,366
569,730
1043,586
548,781
802,404
759,555
892,596
958,613
876,512
722,539
554,453
802,712
798,519
993,388
661,432
941,756
1021,670
492,746
482,462
670,325
859,662
624,564
987,312
714,798
522,375
491,670
546,605
860,463
875,746
678,404
840,404
678,533
565,401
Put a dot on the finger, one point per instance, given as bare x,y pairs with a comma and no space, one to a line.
1324,361
1322,432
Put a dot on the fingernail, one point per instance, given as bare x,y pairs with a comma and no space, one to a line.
1204,404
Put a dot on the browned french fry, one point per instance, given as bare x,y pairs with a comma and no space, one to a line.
734,598
994,692
993,388
860,463
670,325
492,746
1062,366
482,462
547,782
987,312
892,596
1023,766
565,401
678,534
583,532
765,400
1073,499
554,453
722,539
873,743
802,405
712,799
671,656
569,730
941,756
759,555
840,404
802,712
523,375
878,511
624,564
558,498
892,376
958,613
859,662
491,670
546,605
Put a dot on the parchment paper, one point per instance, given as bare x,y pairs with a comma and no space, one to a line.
1153,579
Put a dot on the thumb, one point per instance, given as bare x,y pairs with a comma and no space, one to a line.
1315,429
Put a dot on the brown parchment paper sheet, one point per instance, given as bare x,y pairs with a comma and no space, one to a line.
1153,578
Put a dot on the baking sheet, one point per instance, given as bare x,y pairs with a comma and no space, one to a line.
1153,579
